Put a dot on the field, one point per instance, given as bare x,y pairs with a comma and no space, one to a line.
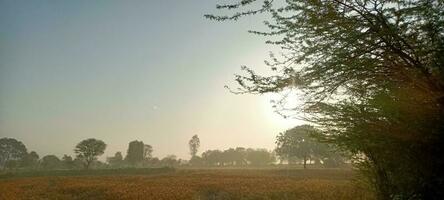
187,184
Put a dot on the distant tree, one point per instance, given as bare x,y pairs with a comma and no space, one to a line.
170,161
213,157
51,162
196,161
147,152
153,161
297,142
229,156
67,162
135,153
30,160
116,160
11,150
240,156
194,145
78,163
259,157
88,150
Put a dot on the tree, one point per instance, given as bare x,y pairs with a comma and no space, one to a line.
67,162
213,157
169,161
30,160
11,150
88,150
372,75
51,162
196,161
194,145
259,157
297,143
147,152
135,153
116,160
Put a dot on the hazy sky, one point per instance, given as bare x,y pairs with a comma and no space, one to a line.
129,70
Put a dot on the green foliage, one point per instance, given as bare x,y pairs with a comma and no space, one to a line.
88,150
12,151
259,157
51,162
134,154
194,145
30,160
138,153
372,75
299,142
238,157
116,160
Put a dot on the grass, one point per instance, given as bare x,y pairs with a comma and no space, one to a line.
199,184
95,172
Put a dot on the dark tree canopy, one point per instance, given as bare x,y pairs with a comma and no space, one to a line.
194,145
259,157
138,152
297,143
30,160
11,150
134,154
372,77
51,162
88,150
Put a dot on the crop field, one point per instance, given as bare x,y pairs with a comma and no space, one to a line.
189,184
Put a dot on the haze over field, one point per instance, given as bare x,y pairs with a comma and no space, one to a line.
150,70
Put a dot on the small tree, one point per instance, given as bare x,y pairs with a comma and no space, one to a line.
147,151
67,162
194,144
116,160
88,150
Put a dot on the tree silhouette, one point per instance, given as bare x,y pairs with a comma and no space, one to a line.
135,153
50,162
194,145
11,150
88,150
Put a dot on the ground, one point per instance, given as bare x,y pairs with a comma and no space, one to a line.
183,184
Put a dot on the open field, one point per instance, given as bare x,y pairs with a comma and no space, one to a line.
189,184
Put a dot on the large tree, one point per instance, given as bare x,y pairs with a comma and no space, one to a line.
88,150
194,145
372,77
135,153
297,143
11,150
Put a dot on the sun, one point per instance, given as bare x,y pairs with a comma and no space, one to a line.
291,100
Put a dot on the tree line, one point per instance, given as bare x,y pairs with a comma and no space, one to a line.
294,146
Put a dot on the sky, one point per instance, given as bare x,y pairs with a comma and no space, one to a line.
130,70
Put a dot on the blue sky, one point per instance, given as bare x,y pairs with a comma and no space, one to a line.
126,70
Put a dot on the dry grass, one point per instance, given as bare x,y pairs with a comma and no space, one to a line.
191,184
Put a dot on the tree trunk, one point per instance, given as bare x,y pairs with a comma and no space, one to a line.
305,162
